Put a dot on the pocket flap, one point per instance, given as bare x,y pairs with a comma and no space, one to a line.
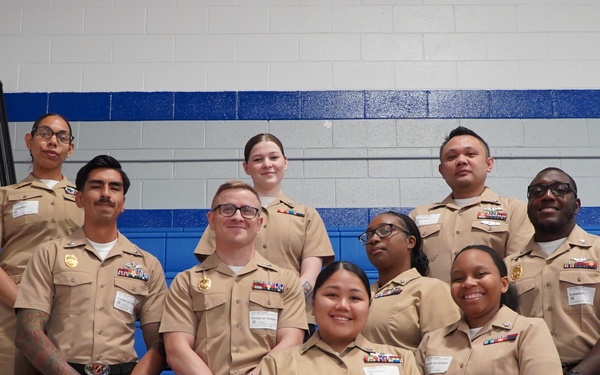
132,286
525,285
73,278
208,301
267,299
23,196
580,277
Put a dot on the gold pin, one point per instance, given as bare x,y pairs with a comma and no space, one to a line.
516,272
71,260
204,284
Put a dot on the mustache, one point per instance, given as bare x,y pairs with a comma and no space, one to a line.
106,201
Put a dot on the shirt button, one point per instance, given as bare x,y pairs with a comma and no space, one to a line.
133,289
72,281
264,226
101,308
548,261
549,308
101,285
462,365
237,350
264,246
237,301
579,279
52,204
53,220
552,333
457,232
237,325
100,332
269,302
548,283
460,214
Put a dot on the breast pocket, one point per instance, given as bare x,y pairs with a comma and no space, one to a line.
211,314
497,231
24,208
73,291
129,294
579,290
262,300
527,296
73,214
430,233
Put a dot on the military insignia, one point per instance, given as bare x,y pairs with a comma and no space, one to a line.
133,271
490,223
511,337
580,259
71,260
582,241
494,215
272,287
382,358
516,272
506,324
204,284
389,292
584,265
492,209
70,190
291,212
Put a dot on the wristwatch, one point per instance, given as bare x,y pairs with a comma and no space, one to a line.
573,372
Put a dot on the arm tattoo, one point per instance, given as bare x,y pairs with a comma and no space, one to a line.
33,342
306,287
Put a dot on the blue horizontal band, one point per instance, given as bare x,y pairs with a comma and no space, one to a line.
305,105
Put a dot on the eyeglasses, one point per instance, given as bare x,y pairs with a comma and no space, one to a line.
382,231
228,210
557,188
47,133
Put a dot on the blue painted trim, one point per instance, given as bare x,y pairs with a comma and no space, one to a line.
339,218
304,105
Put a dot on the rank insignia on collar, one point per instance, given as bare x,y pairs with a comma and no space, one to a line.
511,337
382,358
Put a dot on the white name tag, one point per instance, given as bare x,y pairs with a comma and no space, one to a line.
581,295
427,219
437,364
125,302
25,208
384,369
263,320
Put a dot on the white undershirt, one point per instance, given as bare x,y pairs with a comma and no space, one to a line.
465,201
265,201
551,246
103,248
474,331
49,183
236,269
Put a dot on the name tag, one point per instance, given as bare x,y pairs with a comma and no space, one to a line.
25,208
437,364
581,295
263,320
125,302
427,219
382,370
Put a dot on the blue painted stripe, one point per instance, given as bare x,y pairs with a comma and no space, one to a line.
193,219
302,105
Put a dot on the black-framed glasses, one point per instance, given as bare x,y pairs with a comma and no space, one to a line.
382,231
47,133
228,210
557,188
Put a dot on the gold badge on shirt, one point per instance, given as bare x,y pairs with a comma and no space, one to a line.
516,272
71,261
204,284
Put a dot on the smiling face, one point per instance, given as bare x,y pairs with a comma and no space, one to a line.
340,307
235,231
266,166
102,197
552,216
49,154
392,252
476,286
464,165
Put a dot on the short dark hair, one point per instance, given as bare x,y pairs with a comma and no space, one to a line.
556,169
326,273
461,130
418,259
42,117
262,137
509,298
100,162
233,184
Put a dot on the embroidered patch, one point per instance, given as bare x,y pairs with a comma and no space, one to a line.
511,337
272,287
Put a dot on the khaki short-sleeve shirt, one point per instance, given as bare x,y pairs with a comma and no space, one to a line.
316,357
565,294
93,304
235,319
510,344
447,228
406,308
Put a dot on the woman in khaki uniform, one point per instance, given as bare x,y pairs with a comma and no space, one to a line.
292,235
340,306
490,338
38,209
405,304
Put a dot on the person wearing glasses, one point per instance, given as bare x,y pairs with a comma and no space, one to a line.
405,304
224,315
39,208
292,235
472,213
556,274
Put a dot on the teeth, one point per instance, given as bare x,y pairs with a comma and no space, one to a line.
340,318
473,296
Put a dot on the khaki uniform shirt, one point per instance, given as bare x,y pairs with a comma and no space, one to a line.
31,213
447,228
567,298
233,317
316,357
284,239
453,351
406,308
93,304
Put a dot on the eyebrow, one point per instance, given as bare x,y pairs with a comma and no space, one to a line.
111,183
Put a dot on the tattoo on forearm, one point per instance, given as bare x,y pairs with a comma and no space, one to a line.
306,287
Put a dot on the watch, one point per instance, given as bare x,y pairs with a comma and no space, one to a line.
573,372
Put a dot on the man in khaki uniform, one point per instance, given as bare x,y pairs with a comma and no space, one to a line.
224,315
81,295
556,274
472,213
